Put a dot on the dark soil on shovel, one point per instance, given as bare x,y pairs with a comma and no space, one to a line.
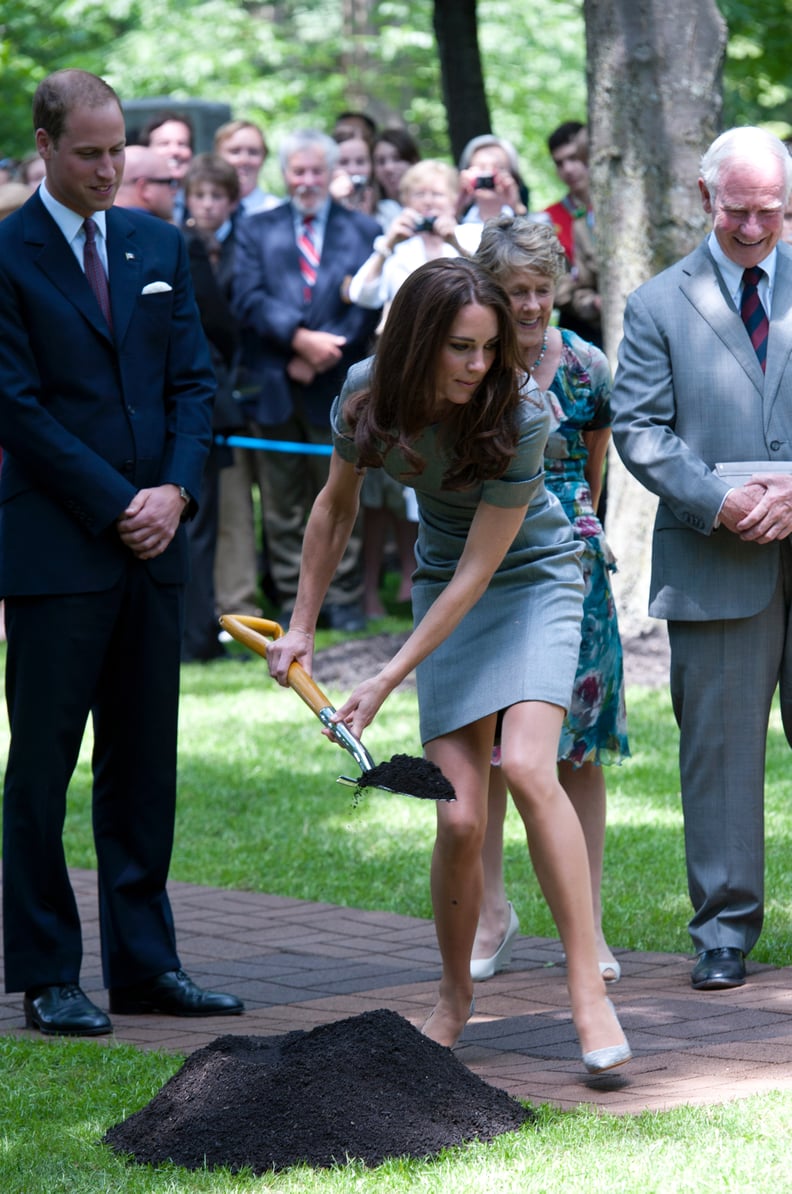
410,776
366,1088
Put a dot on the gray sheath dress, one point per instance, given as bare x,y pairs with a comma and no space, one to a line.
521,640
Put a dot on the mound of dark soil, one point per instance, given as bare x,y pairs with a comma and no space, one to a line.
369,1087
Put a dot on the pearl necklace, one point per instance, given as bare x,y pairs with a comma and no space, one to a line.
541,356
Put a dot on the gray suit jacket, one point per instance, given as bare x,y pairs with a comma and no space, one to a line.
689,392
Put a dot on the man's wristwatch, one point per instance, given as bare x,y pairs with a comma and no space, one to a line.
184,495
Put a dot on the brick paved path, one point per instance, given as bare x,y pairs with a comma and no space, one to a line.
299,964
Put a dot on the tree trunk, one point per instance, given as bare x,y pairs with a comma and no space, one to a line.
654,80
465,99
355,60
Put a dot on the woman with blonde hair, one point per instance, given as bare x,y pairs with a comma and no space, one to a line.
243,145
425,228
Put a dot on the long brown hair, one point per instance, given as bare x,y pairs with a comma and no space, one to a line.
401,399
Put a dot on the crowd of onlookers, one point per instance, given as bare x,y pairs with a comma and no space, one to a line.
369,208
377,209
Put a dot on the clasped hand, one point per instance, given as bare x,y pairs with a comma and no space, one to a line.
150,520
321,350
761,510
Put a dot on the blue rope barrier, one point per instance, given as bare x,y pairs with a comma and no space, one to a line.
273,445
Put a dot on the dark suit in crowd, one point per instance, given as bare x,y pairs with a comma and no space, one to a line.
287,400
200,641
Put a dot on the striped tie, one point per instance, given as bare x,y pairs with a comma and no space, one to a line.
309,258
94,271
753,313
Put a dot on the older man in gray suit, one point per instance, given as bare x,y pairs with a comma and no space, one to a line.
705,378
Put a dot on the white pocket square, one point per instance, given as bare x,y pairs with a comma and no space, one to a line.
156,288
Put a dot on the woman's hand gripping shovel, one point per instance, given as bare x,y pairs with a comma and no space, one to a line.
402,774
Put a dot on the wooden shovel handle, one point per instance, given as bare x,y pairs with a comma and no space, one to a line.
254,633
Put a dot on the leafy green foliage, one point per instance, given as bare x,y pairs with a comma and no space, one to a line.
300,62
37,37
757,87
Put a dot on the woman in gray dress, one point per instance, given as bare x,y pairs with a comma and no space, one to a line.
438,408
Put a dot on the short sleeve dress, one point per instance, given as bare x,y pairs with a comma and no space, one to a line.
521,640
595,729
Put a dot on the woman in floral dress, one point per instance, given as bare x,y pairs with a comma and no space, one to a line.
527,259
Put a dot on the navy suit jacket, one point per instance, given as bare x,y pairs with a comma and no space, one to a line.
88,418
268,301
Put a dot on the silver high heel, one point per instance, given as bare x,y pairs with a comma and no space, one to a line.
484,968
612,969
599,1060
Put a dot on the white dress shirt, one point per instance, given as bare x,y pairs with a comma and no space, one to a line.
71,225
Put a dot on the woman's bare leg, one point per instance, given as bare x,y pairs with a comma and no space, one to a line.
558,851
494,917
585,787
456,877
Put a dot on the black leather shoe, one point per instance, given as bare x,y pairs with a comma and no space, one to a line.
173,994
343,617
64,1010
718,968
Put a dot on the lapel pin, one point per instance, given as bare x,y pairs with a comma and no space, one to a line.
130,256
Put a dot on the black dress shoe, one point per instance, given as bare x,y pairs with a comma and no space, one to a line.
64,1010
718,968
173,994
343,617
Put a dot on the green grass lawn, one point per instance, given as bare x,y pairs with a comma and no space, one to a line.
59,1097
259,809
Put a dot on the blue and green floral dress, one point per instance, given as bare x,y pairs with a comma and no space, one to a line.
595,728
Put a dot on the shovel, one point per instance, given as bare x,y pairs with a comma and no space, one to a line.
402,775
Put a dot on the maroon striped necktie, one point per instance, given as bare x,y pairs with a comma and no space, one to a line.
94,271
309,258
753,313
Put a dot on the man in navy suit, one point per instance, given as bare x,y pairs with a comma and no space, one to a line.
105,414
299,338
